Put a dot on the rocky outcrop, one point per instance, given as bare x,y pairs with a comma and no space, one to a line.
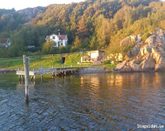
117,57
30,13
146,56
131,40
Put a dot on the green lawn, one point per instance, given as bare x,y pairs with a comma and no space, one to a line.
49,61
43,61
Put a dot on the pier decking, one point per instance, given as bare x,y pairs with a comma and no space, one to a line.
52,71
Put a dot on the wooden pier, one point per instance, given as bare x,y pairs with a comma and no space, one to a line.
44,71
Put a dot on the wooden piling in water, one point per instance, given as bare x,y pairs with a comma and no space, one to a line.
26,71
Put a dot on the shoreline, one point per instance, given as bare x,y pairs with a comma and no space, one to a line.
7,71
92,70
88,70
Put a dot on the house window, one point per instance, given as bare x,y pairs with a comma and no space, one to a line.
54,37
59,43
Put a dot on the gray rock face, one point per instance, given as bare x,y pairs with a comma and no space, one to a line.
30,13
148,56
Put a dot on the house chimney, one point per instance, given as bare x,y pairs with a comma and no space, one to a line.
59,32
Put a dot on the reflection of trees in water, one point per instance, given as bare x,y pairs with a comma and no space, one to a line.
127,98
90,79
8,80
133,79
116,86
21,84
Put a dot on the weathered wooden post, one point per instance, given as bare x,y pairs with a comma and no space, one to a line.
26,71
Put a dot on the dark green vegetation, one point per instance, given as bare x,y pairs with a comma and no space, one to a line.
94,24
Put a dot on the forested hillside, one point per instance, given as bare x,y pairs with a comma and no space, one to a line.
93,24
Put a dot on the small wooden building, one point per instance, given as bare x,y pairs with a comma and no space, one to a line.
95,56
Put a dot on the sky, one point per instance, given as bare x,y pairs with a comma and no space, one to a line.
21,4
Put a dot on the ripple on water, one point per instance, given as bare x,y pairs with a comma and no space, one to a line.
88,102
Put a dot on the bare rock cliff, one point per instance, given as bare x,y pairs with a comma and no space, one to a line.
146,56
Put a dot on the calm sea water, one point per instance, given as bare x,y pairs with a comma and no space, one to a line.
87,102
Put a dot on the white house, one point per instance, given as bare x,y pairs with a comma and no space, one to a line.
59,40
5,42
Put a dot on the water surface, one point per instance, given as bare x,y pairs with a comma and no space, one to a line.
87,102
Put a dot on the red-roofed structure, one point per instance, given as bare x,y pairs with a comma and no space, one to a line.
59,40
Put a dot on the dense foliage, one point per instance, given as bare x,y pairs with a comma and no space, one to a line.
94,24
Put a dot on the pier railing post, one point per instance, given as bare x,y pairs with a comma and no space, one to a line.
26,71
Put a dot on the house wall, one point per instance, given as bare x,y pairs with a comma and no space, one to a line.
54,38
94,54
64,42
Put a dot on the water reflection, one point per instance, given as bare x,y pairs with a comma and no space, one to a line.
89,102
141,93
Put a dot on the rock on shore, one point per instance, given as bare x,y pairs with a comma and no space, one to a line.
146,56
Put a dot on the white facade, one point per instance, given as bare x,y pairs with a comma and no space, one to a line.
94,54
59,40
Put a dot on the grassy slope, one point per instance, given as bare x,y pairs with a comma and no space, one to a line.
44,61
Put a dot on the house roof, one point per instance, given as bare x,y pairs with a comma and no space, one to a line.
62,37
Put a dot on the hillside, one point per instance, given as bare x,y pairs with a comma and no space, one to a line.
93,24
11,20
